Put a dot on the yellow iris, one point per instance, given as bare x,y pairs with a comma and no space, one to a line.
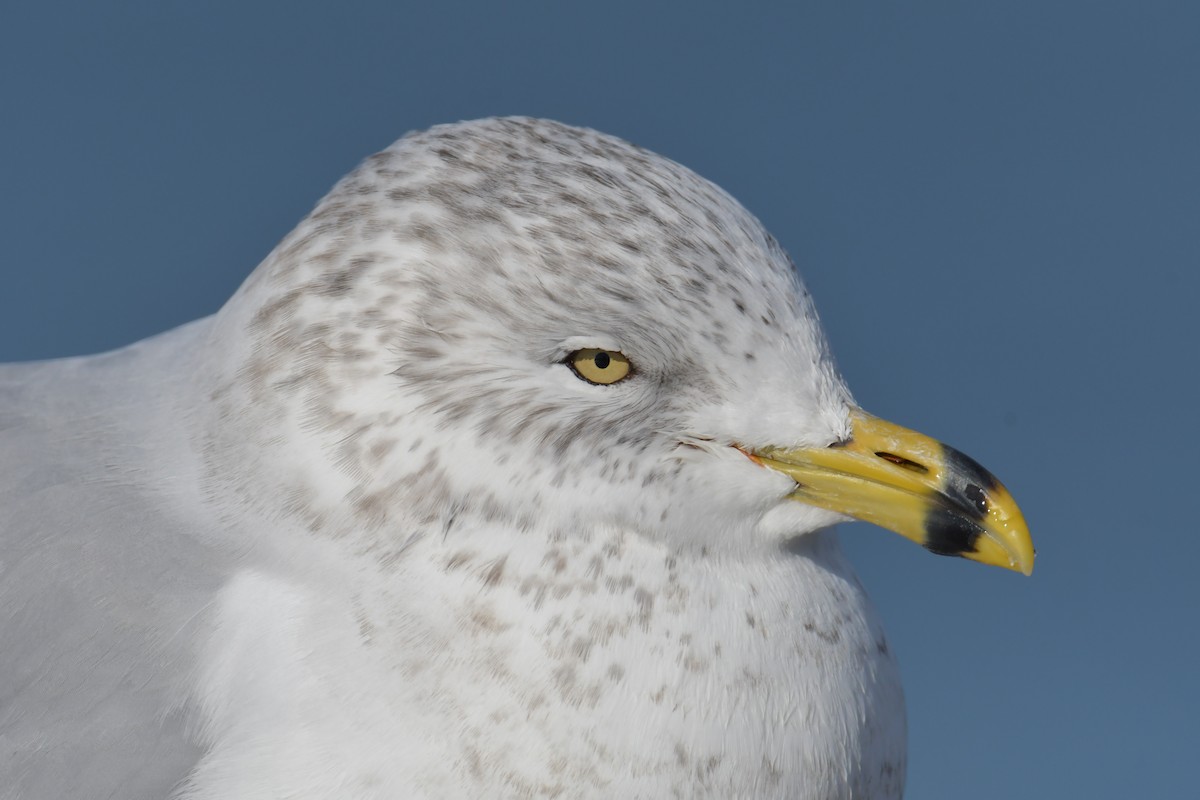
599,366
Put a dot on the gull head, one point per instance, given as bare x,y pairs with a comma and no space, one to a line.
516,322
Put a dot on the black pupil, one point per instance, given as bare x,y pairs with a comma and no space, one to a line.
602,360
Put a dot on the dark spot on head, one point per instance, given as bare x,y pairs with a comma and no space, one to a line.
831,636
495,572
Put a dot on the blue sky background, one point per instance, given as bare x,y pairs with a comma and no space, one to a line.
996,205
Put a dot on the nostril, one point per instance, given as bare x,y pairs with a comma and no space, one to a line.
901,461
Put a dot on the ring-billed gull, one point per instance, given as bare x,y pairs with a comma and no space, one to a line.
509,473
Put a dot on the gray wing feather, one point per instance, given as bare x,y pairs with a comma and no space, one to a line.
103,578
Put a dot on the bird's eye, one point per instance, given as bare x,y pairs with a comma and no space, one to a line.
599,366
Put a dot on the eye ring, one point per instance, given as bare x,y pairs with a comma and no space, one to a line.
599,367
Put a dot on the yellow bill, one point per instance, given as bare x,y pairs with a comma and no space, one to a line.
914,485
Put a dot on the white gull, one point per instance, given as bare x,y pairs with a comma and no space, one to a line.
509,473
